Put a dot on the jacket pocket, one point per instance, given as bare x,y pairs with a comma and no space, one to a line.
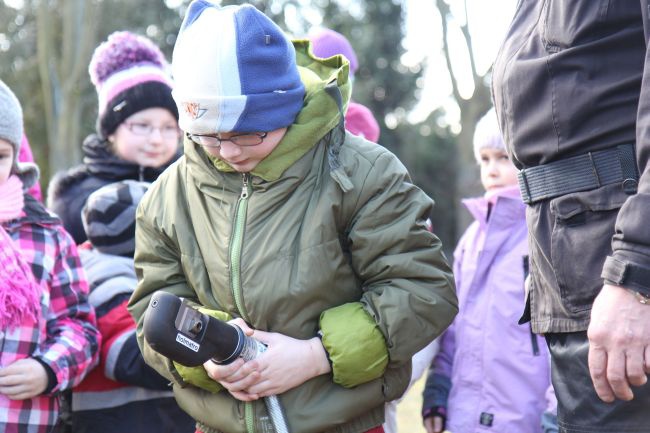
581,240
569,23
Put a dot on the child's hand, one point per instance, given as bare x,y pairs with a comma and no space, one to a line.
233,376
287,363
25,378
433,424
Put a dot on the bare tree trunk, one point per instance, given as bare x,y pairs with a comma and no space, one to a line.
66,36
471,110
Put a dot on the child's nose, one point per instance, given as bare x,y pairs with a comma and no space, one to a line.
228,150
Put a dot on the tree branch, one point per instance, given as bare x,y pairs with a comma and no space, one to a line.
443,9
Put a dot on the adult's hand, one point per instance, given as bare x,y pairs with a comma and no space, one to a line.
619,343
25,378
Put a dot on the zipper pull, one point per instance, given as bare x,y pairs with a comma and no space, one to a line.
244,190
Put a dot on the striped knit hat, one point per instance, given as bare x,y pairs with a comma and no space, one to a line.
234,70
130,74
109,217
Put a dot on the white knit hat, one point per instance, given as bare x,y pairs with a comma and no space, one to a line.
487,134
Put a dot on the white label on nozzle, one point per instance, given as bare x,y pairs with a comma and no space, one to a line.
187,342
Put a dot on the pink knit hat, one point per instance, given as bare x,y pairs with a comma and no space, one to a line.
130,74
328,43
360,121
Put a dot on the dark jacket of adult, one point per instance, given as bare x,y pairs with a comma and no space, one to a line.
568,81
69,190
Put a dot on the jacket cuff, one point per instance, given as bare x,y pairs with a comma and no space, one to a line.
197,376
355,344
627,274
436,391
52,382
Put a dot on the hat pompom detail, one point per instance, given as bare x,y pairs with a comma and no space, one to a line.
121,51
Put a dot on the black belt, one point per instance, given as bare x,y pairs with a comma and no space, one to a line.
580,173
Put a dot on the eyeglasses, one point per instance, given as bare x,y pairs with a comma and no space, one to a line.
250,139
144,129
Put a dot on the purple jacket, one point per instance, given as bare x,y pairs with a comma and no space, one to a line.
499,370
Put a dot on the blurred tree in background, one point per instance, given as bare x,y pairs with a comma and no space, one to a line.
45,48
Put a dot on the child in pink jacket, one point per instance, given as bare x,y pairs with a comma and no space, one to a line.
491,374
48,338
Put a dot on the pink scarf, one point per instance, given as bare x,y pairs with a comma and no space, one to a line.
19,290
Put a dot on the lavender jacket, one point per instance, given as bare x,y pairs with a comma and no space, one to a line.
498,370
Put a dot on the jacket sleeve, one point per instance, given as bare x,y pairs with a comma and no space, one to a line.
438,385
408,292
72,345
120,355
629,264
158,267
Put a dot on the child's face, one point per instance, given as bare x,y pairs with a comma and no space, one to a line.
149,138
6,160
497,171
245,158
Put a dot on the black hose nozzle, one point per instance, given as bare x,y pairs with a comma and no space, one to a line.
176,330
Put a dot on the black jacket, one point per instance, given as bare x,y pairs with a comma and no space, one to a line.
567,81
69,190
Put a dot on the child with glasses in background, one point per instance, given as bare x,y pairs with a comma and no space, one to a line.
311,239
137,126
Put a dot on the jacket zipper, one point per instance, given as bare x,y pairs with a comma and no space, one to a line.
236,246
235,273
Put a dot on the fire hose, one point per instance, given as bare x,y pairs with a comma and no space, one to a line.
185,335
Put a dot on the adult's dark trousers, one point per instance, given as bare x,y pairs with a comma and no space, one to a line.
579,408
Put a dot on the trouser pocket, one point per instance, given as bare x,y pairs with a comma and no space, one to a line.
581,240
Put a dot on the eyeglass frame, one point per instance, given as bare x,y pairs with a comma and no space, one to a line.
233,139
151,129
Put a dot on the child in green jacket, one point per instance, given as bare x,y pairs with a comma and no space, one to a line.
310,239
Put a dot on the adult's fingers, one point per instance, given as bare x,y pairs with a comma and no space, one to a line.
646,357
617,376
597,360
634,365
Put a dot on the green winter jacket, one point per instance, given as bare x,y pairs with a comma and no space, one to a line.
327,233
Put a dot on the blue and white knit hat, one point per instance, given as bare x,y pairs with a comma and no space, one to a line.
234,70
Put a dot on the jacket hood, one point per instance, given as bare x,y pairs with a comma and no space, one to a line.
319,115
507,200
